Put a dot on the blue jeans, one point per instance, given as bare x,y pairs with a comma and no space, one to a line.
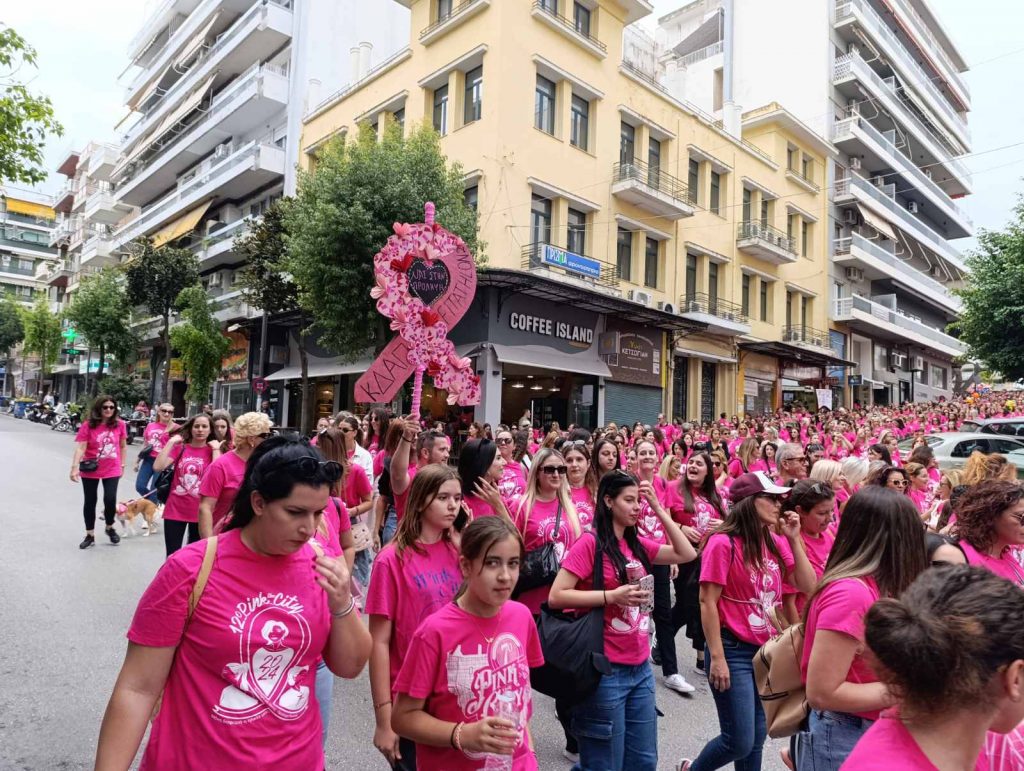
324,691
829,741
144,477
390,525
740,716
361,568
616,727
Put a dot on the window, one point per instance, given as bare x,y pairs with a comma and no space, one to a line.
691,276
713,287
792,155
766,211
581,19
717,86
540,220
627,143
714,202
471,196
764,300
577,235
474,95
745,295
939,377
805,237
693,179
807,168
791,226
580,129
444,9
544,105
748,204
651,264
789,308
881,357
624,253
653,162
805,310
441,110
964,449
399,117
551,6
25,264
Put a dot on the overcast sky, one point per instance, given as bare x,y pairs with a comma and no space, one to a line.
82,50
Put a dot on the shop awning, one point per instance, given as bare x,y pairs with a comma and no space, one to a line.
542,357
186,223
29,209
323,368
790,352
877,223
713,357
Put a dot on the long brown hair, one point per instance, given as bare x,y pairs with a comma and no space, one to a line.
755,538
96,411
425,486
331,443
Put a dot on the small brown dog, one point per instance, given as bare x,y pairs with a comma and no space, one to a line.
128,510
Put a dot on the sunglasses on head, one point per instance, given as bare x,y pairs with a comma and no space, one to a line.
555,469
308,466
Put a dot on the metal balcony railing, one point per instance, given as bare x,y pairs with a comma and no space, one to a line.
700,302
803,177
801,333
532,260
457,11
758,230
638,171
845,306
569,24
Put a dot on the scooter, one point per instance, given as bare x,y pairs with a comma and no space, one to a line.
136,425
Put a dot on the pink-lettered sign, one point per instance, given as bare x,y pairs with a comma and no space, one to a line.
425,282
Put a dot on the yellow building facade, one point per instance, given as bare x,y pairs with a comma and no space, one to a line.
571,150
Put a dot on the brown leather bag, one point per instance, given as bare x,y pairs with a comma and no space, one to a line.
779,685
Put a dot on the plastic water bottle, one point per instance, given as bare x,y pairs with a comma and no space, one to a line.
504,708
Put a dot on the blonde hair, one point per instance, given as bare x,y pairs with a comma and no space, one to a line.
982,468
564,496
665,471
251,424
855,470
826,471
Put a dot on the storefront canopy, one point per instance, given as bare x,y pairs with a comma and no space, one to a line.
322,368
542,357
796,353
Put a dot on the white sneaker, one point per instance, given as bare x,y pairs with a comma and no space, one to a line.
684,764
678,684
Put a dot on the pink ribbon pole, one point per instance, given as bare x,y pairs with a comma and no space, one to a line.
417,392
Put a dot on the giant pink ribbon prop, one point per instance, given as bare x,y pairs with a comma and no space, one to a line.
424,302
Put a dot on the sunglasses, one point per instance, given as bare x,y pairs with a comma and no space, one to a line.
897,482
109,407
771,497
562,470
717,464
166,412
347,430
265,435
503,441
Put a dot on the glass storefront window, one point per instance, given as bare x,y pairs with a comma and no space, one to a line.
550,397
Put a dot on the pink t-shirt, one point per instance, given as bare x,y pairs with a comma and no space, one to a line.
221,481
337,521
649,524
817,550
479,507
463,665
1004,752
584,503
748,595
1006,565
155,435
840,607
409,589
626,639
402,497
357,486
888,745
703,514
242,684
539,529
513,480
102,444
191,463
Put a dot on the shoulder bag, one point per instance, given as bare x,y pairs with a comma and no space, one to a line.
541,565
165,478
779,685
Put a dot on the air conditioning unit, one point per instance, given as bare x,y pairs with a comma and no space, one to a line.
792,336
855,164
850,217
918,363
855,274
692,306
913,207
215,280
637,296
899,360
222,150
878,181
667,307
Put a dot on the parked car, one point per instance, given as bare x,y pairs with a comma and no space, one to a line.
1017,459
1002,426
953,449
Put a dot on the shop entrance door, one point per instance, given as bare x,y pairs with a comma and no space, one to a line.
707,391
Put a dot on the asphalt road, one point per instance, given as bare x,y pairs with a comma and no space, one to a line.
64,613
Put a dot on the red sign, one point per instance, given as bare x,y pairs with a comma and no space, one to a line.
259,384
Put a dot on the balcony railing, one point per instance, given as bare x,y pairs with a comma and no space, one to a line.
801,333
758,230
798,173
457,11
845,306
713,306
569,24
638,171
902,269
934,47
700,54
604,274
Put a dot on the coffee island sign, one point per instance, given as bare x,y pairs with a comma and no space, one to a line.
425,281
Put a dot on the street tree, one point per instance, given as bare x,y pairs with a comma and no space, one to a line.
343,214
101,312
25,118
992,319
199,342
42,335
155,279
12,332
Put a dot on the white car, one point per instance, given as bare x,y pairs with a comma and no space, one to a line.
953,449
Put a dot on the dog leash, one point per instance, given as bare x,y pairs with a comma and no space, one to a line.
129,503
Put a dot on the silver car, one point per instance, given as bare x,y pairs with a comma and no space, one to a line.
953,449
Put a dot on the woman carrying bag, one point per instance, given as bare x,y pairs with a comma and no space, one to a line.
99,456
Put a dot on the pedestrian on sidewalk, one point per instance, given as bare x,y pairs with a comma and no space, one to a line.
191,451
99,456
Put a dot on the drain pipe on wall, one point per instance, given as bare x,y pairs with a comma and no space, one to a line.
730,110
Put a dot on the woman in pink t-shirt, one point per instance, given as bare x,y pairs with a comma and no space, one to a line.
153,439
480,468
237,674
814,502
463,693
101,441
582,484
744,459
921,491
192,452
416,574
627,694
513,476
605,458
878,552
221,481
356,493
989,518
971,623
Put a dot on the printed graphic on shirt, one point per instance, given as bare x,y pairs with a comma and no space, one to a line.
585,512
272,636
107,441
190,473
766,597
629,619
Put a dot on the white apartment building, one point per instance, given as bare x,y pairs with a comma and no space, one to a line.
883,81
216,90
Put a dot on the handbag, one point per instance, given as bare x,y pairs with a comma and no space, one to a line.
164,480
573,646
541,565
779,685
89,465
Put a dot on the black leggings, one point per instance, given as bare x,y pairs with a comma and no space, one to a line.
91,489
174,534
686,612
662,617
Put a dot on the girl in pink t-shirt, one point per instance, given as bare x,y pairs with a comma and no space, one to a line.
972,625
153,437
513,476
237,673
988,525
220,483
101,440
878,529
463,693
192,452
416,574
813,501
480,468
582,484
629,689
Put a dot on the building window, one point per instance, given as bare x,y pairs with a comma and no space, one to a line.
745,295
748,204
471,197
399,117
577,235
544,105
627,143
714,200
444,9
474,95
580,129
717,87
691,276
651,264
792,155
805,237
693,179
807,168
441,110
791,226
938,377
653,162
764,300
881,357
551,6
540,220
805,311
624,253
766,211
713,287
581,19
789,308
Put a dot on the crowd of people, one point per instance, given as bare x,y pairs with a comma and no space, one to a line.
294,560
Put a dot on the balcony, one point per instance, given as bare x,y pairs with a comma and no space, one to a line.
103,206
722,317
766,243
879,263
579,34
53,274
884,323
557,263
10,267
880,152
218,247
101,161
252,100
97,250
248,168
61,232
883,202
65,198
912,74
933,48
801,334
459,15
652,190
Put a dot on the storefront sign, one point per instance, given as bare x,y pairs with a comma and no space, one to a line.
795,372
570,261
235,364
551,328
855,380
93,365
638,358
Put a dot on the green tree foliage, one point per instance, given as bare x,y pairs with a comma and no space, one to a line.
42,335
25,118
101,312
992,320
343,213
199,343
155,279
264,279
125,390
12,332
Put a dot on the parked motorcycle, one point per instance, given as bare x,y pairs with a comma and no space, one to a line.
40,413
136,424
66,420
